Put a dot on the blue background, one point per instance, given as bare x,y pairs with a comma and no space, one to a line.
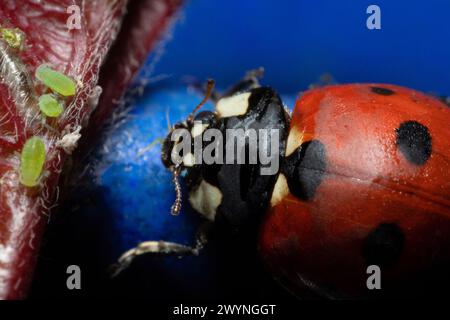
298,41
125,196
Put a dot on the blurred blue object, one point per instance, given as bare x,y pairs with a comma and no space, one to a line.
126,196
298,41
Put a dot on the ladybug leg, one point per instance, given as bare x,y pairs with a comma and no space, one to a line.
249,81
159,248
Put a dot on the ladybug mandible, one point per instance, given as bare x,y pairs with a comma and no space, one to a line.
364,179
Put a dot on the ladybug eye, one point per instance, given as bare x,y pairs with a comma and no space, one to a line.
57,81
32,161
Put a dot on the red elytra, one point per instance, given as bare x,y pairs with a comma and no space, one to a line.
381,195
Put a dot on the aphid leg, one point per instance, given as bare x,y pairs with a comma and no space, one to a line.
249,81
159,248
209,90
176,206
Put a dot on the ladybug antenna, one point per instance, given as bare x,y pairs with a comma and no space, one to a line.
208,93
176,206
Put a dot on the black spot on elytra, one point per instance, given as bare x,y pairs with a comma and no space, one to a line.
305,168
382,91
384,245
414,142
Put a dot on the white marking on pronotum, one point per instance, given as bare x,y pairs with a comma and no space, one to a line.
205,199
280,190
14,74
294,140
233,106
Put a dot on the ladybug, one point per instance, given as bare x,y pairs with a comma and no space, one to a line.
363,180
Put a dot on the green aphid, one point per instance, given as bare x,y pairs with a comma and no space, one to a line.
56,81
50,106
14,37
32,161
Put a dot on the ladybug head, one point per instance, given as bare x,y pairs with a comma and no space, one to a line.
172,154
